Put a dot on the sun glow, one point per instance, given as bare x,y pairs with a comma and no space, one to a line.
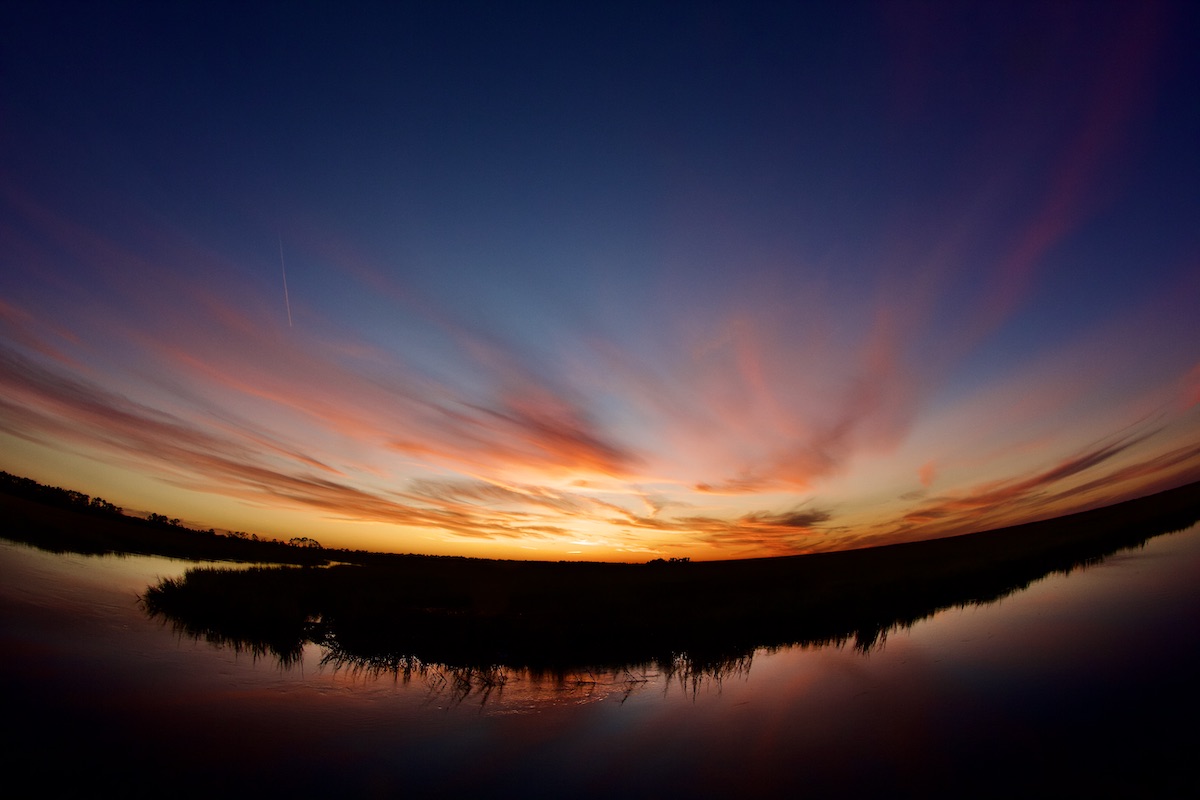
714,325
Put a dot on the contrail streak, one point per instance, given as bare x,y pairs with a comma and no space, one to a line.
283,267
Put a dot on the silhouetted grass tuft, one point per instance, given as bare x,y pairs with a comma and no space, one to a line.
402,614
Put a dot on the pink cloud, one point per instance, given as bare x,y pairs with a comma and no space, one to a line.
810,408
926,473
1115,91
766,394
45,405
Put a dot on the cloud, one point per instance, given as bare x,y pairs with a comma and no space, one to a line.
1190,388
474,493
1041,495
788,520
201,335
782,402
42,405
762,532
1004,494
185,368
753,533
926,473
1170,469
538,428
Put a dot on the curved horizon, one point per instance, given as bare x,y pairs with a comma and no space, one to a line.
602,284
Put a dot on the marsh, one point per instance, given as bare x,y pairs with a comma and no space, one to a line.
1079,681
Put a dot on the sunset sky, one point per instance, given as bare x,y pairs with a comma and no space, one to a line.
604,281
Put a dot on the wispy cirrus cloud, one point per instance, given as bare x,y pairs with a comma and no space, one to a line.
1003,495
759,532
1046,493
40,404
759,399
770,398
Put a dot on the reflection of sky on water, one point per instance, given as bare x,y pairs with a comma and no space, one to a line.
1069,656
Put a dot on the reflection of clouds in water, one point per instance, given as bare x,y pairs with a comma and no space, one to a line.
947,699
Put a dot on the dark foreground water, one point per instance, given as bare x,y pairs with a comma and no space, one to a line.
1086,684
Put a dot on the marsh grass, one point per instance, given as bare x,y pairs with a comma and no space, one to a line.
276,621
400,615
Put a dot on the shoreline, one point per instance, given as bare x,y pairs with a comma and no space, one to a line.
392,612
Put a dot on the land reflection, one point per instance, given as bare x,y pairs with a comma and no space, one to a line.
468,628
453,685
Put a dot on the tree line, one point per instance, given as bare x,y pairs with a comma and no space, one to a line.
78,501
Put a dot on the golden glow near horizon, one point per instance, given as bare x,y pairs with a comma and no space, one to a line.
297,433
692,307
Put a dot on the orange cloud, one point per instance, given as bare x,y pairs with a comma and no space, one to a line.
1044,494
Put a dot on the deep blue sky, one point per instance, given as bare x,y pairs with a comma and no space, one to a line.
637,279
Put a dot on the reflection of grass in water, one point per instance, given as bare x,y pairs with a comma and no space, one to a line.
269,611
688,621
463,682
276,623
692,676
485,681
457,682
367,627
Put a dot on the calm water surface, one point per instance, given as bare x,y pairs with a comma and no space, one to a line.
1085,683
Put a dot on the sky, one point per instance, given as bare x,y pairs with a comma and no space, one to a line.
601,281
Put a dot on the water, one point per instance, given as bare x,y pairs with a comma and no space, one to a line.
1081,683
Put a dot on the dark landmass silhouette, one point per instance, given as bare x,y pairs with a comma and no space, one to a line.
66,521
463,625
394,613
397,613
